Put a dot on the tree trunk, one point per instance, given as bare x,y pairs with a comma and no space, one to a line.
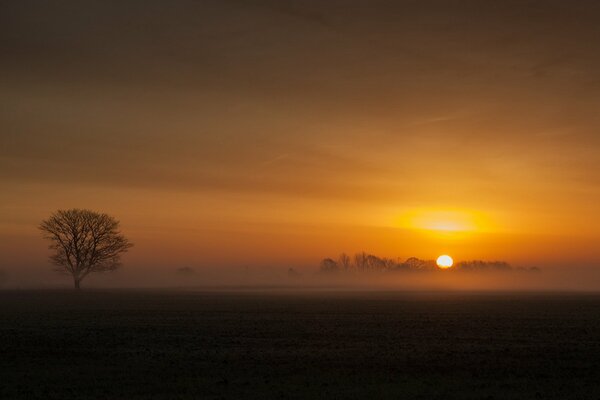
76,281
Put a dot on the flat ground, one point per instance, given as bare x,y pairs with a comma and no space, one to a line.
180,345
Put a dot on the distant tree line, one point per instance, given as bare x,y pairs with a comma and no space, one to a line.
364,262
478,265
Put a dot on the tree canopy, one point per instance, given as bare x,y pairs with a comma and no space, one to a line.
84,242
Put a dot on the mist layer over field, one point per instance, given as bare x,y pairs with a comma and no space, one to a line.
544,279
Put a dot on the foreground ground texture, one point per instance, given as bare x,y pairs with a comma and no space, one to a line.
180,345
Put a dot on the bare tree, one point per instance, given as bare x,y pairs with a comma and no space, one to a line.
479,265
83,242
344,262
414,263
360,260
375,263
328,265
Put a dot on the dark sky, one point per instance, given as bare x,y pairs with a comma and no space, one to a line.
289,129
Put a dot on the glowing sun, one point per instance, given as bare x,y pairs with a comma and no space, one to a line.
444,261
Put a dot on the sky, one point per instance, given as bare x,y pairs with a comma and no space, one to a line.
273,133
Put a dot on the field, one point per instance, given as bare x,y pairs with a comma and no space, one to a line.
264,345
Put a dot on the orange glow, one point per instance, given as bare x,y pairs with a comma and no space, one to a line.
324,146
445,220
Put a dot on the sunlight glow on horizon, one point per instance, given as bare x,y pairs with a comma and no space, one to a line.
445,220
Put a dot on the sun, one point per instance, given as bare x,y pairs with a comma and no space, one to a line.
444,261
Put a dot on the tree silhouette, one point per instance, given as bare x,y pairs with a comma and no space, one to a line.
368,263
414,263
328,265
84,242
344,262
360,260
479,265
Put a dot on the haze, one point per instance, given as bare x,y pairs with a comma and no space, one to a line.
259,136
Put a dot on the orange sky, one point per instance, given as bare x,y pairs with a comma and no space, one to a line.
270,133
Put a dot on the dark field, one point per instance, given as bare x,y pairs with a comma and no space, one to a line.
180,345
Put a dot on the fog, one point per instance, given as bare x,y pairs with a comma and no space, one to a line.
281,278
